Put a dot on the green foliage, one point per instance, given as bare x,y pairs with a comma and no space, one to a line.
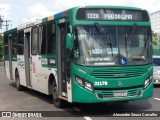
156,43
1,40
1,47
1,21
155,39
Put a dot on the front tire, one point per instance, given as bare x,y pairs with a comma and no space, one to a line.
59,103
18,85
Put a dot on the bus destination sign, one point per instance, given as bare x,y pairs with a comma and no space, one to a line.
112,14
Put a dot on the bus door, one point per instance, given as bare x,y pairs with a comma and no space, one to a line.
27,60
36,35
10,56
63,60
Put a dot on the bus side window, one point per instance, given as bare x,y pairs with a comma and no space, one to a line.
20,43
14,44
40,40
43,45
34,46
51,38
6,44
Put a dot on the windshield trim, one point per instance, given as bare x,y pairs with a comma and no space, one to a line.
111,65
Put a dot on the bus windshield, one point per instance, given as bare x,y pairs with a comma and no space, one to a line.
107,45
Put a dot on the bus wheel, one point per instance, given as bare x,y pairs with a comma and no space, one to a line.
57,102
18,85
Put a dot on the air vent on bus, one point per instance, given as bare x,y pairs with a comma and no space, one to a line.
107,94
117,73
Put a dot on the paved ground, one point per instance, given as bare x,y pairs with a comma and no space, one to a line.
28,100
1,63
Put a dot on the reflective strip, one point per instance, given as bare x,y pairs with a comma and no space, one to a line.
56,16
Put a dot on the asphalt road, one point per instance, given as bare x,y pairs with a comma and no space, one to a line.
29,100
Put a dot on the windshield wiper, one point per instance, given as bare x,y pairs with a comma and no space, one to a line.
106,40
127,42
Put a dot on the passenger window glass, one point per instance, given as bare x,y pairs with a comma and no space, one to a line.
51,38
14,44
43,45
34,41
20,43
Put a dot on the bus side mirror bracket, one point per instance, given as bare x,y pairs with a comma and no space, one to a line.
69,41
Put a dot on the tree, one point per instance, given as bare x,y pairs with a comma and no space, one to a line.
156,43
1,47
1,40
155,39
1,21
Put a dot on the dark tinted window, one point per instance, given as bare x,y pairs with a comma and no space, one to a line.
40,40
6,45
51,39
34,41
43,45
20,43
14,44
48,38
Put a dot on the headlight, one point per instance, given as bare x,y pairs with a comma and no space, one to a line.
84,83
148,81
151,77
79,81
88,86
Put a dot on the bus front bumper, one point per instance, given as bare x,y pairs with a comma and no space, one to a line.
82,95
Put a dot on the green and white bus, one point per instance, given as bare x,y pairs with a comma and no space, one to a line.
88,54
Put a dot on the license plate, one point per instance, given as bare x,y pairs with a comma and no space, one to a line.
120,94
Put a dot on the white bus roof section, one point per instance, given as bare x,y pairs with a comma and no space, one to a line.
29,24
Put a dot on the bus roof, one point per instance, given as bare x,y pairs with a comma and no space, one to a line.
114,7
64,14
10,31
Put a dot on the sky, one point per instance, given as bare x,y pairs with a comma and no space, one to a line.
21,11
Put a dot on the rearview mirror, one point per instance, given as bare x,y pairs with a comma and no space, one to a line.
69,41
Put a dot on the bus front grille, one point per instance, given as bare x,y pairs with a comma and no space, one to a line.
117,73
130,93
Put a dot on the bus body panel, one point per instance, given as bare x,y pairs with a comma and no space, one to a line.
41,81
133,86
82,95
14,64
36,72
21,69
